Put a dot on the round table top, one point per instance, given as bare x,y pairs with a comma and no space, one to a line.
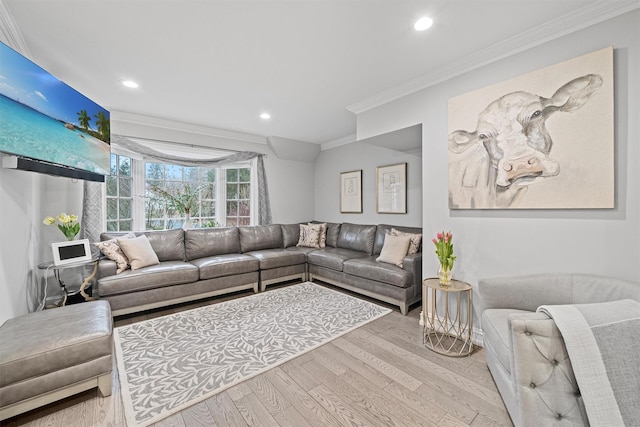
50,264
455,286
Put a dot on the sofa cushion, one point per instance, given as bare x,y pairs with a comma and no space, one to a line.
323,234
225,265
302,250
416,239
156,276
384,229
111,250
138,251
333,231
332,257
206,242
357,237
369,268
310,235
167,244
495,327
260,237
394,250
290,234
274,258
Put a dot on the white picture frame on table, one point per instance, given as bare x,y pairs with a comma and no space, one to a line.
71,252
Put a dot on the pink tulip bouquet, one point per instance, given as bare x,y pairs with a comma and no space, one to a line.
444,250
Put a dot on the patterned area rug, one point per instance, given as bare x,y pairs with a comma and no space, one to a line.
172,362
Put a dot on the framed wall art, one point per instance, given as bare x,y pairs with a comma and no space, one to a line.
544,140
351,192
391,189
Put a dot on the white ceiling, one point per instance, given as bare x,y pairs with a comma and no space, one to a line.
220,64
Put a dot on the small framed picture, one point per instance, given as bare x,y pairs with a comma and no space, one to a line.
391,189
351,192
69,252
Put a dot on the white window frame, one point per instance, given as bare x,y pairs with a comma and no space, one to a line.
133,193
138,188
221,195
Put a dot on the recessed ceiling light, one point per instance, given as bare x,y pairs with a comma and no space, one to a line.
423,23
265,116
130,83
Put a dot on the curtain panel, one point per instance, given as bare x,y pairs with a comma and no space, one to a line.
92,215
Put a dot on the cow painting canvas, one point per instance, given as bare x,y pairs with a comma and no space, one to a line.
542,140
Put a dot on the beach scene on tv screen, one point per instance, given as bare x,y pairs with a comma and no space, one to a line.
45,119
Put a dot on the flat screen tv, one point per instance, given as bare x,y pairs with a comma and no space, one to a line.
47,126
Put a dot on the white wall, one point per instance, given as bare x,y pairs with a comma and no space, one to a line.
25,241
514,242
19,233
360,155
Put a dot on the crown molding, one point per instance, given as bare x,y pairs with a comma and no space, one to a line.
591,14
9,32
138,119
338,142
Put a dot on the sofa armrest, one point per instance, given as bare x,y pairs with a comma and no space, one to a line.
545,385
525,292
106,267
413,263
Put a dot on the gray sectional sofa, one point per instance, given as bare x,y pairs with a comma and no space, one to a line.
201,263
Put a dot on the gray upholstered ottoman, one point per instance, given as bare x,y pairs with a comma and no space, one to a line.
49,355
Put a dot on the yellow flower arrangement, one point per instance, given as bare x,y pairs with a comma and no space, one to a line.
68,224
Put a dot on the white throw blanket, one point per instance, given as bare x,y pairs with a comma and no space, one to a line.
603,342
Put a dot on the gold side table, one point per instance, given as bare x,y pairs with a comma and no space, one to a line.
447,333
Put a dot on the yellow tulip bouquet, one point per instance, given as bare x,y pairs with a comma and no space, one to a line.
68,224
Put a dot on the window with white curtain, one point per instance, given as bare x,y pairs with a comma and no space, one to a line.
226,195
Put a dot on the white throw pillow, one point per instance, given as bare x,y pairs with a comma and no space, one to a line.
394,249
111,250
415,240
139,252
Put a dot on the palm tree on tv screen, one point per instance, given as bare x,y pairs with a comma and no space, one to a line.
84,119
102,122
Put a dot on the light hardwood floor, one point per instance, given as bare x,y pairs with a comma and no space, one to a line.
377,375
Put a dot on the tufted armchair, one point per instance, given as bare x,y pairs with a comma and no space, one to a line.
525,351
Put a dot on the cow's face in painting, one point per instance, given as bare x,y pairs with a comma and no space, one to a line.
512,131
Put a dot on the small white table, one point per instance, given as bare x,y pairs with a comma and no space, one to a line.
445,331
66,293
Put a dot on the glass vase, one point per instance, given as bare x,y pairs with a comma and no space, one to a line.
187,225
444,275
